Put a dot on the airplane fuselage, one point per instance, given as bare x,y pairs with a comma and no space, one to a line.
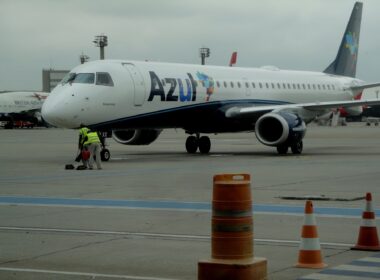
163,95
21,105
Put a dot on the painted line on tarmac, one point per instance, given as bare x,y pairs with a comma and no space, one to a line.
172,205
156,235
88,274
365,268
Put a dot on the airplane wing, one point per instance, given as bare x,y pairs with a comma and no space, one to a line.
242,112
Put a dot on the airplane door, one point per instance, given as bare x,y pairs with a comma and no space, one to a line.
138,82
247,87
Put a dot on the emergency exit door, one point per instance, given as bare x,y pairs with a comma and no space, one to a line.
138,84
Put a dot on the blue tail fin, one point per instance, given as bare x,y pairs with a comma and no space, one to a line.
345,61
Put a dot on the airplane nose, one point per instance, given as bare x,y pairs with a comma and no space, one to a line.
55,112
49,112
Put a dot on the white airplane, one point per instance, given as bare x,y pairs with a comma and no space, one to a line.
136,100
21,105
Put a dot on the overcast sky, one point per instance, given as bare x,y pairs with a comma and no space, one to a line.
290,34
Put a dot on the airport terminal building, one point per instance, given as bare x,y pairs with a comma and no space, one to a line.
51,78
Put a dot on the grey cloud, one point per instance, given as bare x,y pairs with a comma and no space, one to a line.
295,34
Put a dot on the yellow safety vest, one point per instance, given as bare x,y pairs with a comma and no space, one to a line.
83,133
92,137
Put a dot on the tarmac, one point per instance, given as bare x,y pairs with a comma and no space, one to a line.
146,215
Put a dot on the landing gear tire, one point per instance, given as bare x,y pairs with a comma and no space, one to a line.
204,145
191,144
283,149
105,155
297,148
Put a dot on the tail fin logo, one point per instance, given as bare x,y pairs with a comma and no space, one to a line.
352,43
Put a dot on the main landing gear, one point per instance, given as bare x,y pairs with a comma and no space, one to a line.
193,143
296,148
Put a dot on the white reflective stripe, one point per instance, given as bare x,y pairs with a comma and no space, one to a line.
309,220
310,244
349,267
370,259
319,276
369,207
368,223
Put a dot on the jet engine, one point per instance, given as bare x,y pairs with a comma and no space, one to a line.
135,136
351,111
281,128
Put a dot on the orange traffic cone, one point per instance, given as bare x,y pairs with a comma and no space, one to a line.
310,255
368,239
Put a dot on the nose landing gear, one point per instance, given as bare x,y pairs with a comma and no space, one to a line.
193,143
105,154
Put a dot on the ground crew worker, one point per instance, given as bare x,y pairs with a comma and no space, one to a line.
93,144
82,138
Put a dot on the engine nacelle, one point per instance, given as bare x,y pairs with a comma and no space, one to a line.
351,111
274,129
135,136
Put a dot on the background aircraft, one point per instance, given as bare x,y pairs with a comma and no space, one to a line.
21,106
136,100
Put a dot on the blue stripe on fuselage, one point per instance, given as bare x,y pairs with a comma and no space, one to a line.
182,115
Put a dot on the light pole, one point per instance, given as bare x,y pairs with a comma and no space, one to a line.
101,41
204,52
83,58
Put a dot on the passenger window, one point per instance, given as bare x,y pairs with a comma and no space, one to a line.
303,86
217,84
239,85
319,86
260,85
267,85
246,85
289,87
314,87
278,85
308,86
284,85
328,87
232,85
104,79
298,86
323,86
273,85
333,87
253,85
225,84
84,78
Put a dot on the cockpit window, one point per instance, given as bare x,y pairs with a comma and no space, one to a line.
68,78
84,78
104,79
